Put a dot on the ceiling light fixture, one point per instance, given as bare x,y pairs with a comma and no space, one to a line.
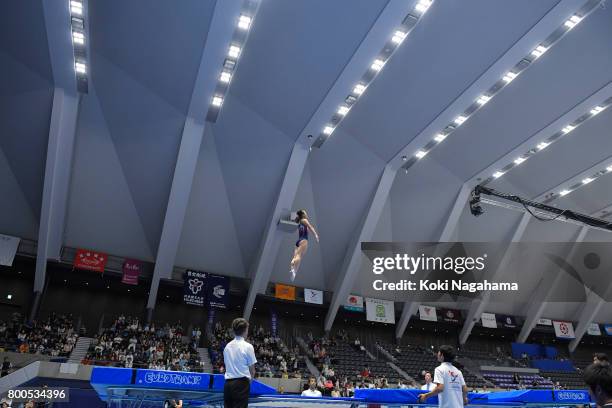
217,101
244,22
377,65
540,49
572,21
509,76
420,154
234,51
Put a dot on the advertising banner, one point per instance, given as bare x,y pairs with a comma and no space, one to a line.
489,320
564,330
313,296
378,310
90,260
451,315
354,303
217,290
544,322
193,288
428,313
594,330
285,292
608,329
508,322
131,271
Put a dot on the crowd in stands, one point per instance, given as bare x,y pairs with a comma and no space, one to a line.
344,365
54,336
274,357
130,343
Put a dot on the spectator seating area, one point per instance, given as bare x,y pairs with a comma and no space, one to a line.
274,358
508,380
414,360
129,343
567,380
482,357
54,336
350,360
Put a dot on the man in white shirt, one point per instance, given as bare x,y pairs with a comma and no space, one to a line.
428,386
239,359
450,385
312,389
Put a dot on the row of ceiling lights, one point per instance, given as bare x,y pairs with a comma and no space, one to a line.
547,142
79,46
507,77
243,25
399,35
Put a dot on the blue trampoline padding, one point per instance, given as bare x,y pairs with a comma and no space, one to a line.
104,377
540,396
391,395
410,396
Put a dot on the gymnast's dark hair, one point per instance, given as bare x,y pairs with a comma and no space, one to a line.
301,214
599,375
448,352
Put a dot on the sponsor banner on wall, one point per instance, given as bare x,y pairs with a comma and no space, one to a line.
90,260
451,315
8,249
194,291
378,310
428,313
286,292
131,271
217,290
594,330
564,330
488,320
354,303
508,322
608,329
313,296
545,322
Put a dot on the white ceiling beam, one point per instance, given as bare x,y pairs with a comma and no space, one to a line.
378,35
478,306
448,235
543,292
273,237
218,40
354,255
60,145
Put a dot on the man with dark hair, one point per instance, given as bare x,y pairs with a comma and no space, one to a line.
311,391
598,377
239,359
600,358
429,385
450,385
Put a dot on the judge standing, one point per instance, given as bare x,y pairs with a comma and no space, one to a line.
239,359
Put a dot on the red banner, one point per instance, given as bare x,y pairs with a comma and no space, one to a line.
90,260
131,271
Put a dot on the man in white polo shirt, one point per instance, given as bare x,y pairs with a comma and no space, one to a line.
311,391
450,385
239,359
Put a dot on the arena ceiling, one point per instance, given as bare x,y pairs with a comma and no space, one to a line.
145,58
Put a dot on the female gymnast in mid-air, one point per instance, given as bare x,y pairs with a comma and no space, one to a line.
301,246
